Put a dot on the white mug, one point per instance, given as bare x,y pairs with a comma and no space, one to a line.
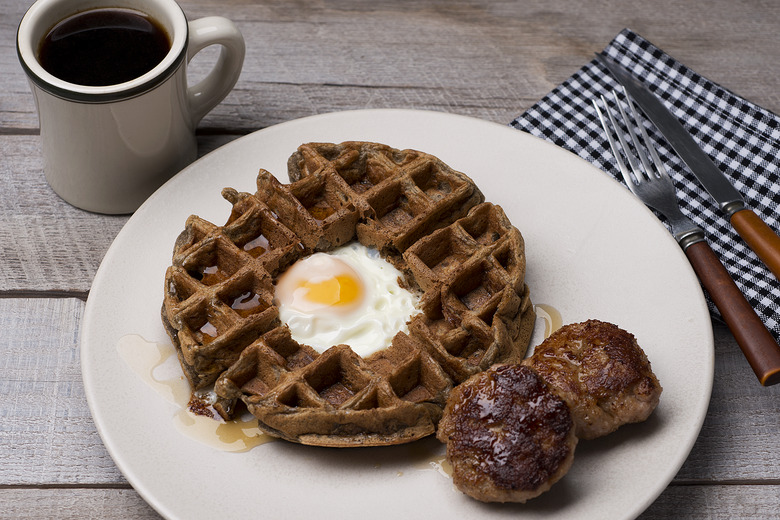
107,148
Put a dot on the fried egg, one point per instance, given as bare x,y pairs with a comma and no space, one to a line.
348,296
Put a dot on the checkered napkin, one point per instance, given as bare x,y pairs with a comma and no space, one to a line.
743,140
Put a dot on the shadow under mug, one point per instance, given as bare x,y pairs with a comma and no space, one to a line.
107,148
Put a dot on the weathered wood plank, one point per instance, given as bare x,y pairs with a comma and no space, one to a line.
720,502
487,59
47,434
76,504
739,439
46,243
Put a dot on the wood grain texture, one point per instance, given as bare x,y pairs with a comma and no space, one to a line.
75,504
718,502
760,237
47,434
489,60
740,411
706,503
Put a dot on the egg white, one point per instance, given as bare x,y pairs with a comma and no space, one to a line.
368,326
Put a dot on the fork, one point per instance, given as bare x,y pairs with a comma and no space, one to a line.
652,184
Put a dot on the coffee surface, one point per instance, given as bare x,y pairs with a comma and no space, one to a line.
103,47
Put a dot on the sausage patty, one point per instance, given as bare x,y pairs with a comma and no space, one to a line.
509,438
601,373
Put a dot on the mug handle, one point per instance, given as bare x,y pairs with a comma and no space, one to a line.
207,93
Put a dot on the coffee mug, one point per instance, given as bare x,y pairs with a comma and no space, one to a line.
107,148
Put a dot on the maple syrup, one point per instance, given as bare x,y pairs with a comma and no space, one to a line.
430,456
208,332
321,212
157,365
551,317
257,246
212,275
248,303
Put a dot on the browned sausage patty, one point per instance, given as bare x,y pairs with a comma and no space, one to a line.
509,438
601,373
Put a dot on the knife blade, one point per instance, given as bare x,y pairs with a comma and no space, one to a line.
761,238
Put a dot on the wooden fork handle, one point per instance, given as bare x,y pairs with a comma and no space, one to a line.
756,342
760,237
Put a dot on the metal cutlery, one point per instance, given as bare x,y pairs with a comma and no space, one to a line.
652,184
754,231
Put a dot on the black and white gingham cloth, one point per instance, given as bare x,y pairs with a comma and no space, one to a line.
742,139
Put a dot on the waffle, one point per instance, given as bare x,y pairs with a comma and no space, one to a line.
459,253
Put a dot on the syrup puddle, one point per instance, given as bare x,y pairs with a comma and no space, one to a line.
237,435
157,365
438,463
550,316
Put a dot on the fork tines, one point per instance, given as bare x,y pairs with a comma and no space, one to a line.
646,171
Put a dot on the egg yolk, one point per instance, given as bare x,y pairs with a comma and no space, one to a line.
321,284
338,290
348,296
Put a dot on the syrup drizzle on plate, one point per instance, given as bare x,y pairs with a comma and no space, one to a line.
551,317
157,366
437,462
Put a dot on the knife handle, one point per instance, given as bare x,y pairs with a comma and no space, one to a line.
760,237
756,342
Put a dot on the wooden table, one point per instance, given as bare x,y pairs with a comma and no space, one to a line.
490,60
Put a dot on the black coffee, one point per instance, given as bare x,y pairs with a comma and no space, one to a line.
103,47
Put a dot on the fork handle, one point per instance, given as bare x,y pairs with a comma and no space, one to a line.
757,343
760,237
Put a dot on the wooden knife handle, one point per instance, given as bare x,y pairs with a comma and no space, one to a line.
756,342
760,237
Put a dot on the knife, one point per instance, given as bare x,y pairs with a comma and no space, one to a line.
754,231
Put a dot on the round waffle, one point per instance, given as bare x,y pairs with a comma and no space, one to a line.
460,254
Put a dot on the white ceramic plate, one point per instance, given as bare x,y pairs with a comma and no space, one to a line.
593,251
